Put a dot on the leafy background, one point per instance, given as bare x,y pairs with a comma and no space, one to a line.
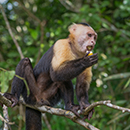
111,76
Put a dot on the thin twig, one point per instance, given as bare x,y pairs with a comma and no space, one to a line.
11,33
46,121
113,28
4,120
108,104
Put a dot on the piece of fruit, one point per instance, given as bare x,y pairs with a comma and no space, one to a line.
90,54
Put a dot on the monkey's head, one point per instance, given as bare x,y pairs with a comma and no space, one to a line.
83,37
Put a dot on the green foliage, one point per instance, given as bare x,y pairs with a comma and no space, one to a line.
5,77
111,21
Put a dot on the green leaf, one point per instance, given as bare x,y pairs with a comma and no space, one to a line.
127,84
34,34
5,77
11,74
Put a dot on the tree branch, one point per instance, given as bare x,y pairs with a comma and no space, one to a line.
68,114
106,103
11,33
51,110
4,100
4,120
46,121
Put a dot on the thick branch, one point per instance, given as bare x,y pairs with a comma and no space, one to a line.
61,112
69,114
55,111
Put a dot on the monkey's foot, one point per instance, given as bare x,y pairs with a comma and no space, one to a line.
42,102
12,98
90,113
74,108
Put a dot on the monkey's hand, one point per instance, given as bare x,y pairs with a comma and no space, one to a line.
90,113
89,60
12,98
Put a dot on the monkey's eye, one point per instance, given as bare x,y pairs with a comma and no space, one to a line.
95,38
89,34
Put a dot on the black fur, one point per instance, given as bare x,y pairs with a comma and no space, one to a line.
85,24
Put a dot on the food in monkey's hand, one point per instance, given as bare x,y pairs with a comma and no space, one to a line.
89,53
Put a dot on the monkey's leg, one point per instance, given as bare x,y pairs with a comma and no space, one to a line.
17,86
82,96
67,94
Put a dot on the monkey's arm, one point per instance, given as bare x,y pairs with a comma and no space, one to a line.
70,69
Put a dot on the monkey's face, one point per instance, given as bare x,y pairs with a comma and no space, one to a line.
86,39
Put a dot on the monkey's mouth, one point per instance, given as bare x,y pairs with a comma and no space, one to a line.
89,48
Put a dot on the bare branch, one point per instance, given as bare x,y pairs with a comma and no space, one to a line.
4,120
46,121
11,33
113,28
55,111
69,114
61,112
106,103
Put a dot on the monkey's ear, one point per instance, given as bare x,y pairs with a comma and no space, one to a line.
72,28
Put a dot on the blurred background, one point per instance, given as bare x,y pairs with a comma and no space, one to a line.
37,24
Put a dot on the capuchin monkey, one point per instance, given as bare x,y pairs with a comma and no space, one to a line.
50,80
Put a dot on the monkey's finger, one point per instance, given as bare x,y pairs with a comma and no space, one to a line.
85,117
94,61
90,115
93,58
87,53
76,113
13,104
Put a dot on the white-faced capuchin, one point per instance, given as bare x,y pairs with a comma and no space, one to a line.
50,80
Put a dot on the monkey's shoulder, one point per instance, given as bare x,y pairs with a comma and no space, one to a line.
62,52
